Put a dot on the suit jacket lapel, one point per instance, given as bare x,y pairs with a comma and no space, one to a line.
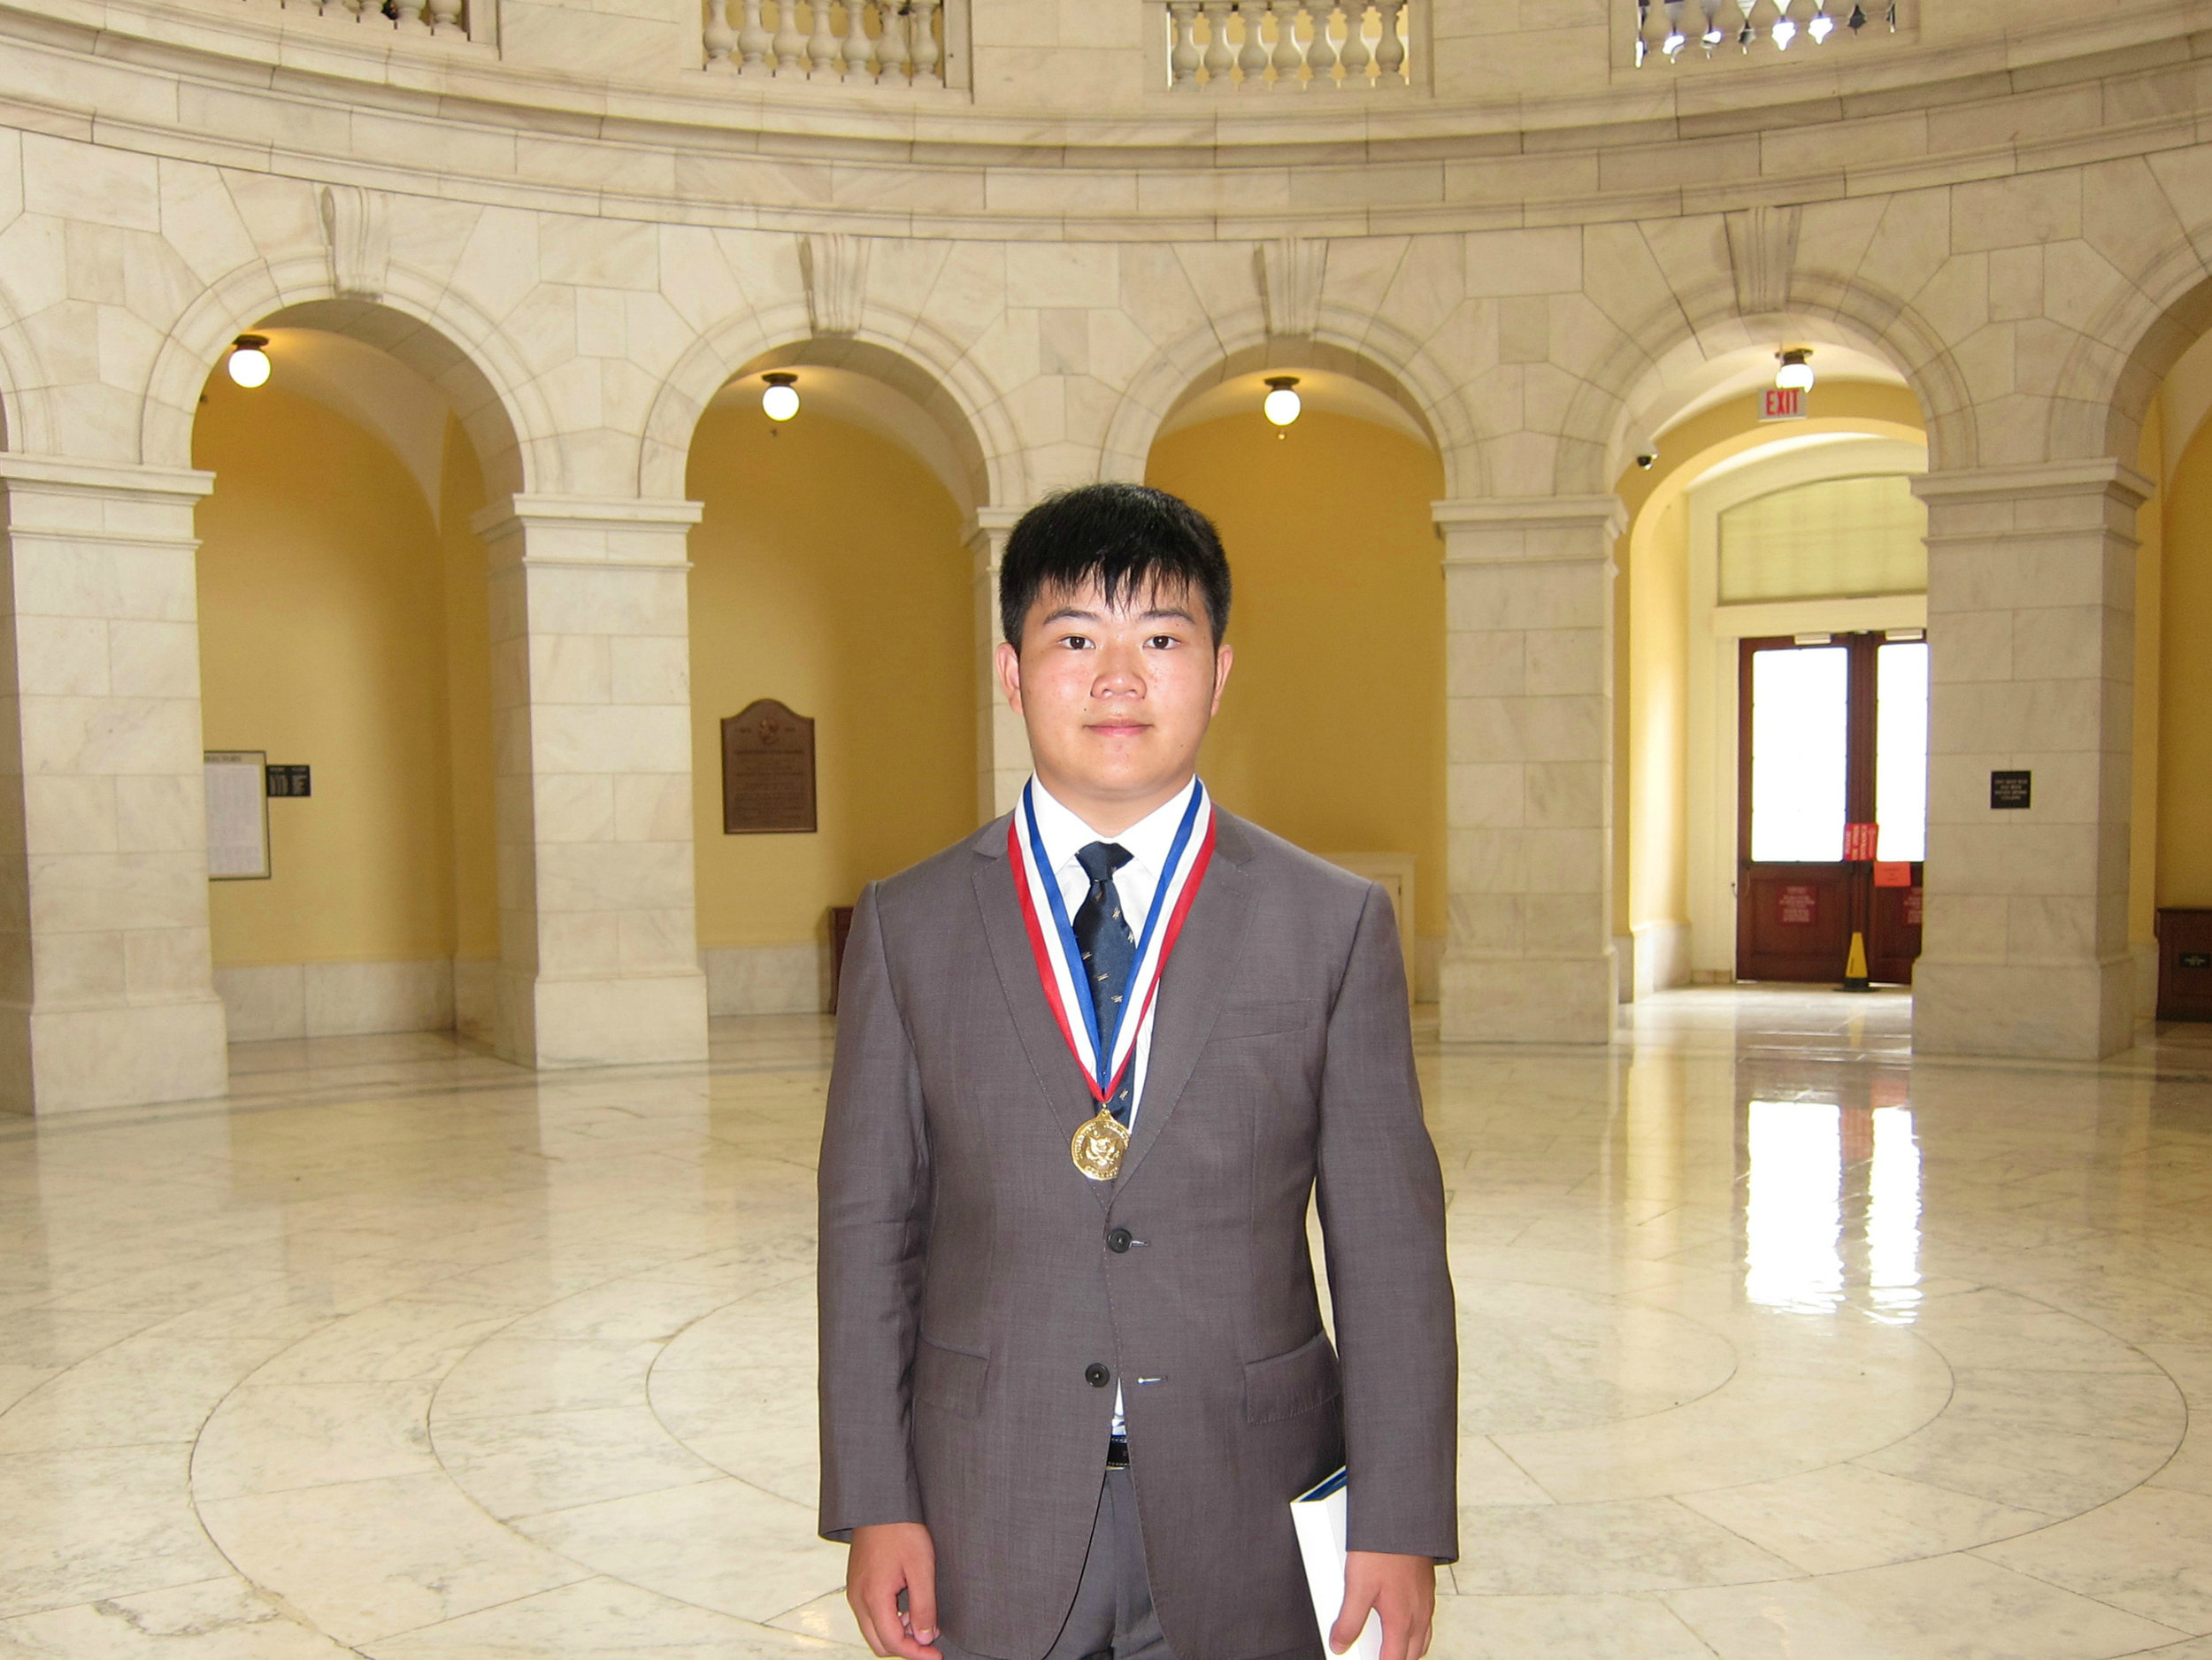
1192,988
1059,1076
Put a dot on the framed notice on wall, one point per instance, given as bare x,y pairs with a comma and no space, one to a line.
237,815
767,771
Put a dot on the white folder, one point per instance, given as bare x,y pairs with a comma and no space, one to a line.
1318,1515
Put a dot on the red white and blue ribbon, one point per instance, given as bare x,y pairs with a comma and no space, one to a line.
1104,1044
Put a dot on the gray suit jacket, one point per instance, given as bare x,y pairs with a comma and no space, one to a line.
968,1283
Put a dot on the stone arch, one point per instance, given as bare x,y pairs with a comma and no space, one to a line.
1239,343
1606,419
918,360
2116,364
418,320
25,424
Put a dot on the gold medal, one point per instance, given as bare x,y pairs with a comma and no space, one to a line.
1098,1147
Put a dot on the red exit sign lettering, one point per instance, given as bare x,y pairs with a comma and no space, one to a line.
1782,404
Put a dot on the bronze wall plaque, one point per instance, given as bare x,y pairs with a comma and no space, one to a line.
767,771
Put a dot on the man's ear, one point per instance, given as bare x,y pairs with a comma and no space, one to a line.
1009,675
1224,656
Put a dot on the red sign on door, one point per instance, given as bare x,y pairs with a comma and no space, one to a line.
1797,905
1891,874
1859,839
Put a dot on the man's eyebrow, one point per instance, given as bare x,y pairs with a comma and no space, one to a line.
1068,614
1160,611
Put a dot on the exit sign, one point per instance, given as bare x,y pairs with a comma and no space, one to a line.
1782,404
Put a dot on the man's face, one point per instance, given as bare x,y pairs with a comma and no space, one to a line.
1115,700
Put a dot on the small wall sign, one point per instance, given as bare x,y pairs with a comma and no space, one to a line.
1782,404
767,771
237,816
1859,840
1797,905
1891,874
287,781
2010,789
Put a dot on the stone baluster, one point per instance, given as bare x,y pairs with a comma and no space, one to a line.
1390,51
927,54
891,45
789,41
753,41
860,51
1287,56
1253,59
719,38
410,14
1355,57
1221,57
821,44
445,14
1320,54
1182,52
366,11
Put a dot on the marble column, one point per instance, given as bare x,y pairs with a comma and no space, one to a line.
591,697
107,997
1001,745
1529,730
2030,632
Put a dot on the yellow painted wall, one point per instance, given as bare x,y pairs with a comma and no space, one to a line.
327,636
1332,731
827,571
2183,855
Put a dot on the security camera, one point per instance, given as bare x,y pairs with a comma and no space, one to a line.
1645,459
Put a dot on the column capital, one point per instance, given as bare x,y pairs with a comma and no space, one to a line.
63,475
1516,529
2032,479
618,532
985,532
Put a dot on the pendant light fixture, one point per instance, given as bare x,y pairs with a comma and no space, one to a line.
780,401
1282,404
249,363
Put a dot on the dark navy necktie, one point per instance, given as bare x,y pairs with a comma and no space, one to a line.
1109,951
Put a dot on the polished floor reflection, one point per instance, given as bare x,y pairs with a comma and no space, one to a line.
1777,1343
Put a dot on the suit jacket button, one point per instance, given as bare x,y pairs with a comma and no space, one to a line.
1096,1375
1120,1240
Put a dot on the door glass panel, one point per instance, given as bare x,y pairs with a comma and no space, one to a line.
1901,750
1800,740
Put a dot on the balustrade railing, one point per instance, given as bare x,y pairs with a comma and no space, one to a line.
1671,30
425,16
1251,46
854,42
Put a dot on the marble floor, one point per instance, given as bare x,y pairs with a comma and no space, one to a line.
1778,1343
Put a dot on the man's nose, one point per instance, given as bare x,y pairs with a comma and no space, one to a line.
1120,674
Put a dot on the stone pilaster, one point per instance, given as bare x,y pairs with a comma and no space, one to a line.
1001,745
591,697
2031,630
1528,690
106,993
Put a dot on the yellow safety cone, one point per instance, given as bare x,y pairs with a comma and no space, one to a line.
1855,971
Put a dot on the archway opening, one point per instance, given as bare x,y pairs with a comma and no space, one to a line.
1770,599
1331,733
829,585
345,659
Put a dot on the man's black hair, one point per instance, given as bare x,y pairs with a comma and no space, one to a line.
1128,538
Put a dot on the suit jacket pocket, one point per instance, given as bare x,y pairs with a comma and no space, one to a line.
949,1380
1257,1018
1284,1386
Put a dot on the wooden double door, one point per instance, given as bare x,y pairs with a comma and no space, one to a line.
1832,804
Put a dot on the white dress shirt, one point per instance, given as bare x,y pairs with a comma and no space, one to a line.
1147,841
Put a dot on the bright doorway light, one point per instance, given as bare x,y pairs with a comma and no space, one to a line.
249,362
780,401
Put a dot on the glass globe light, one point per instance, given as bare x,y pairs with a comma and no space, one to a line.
1282,404
1796,372
780,401
249,363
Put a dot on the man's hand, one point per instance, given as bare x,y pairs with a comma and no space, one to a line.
892,1557
1402,1588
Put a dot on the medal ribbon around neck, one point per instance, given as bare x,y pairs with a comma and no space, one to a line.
1103,1047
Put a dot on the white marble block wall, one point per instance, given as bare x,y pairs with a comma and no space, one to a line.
1528,616
313,1000
105,993
2031,597
1001,743
592,720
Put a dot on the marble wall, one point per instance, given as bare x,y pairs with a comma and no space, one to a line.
1534,287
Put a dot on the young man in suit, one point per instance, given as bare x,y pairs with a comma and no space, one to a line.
1090,1064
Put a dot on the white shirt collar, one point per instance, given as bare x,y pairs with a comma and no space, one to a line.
1148,840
